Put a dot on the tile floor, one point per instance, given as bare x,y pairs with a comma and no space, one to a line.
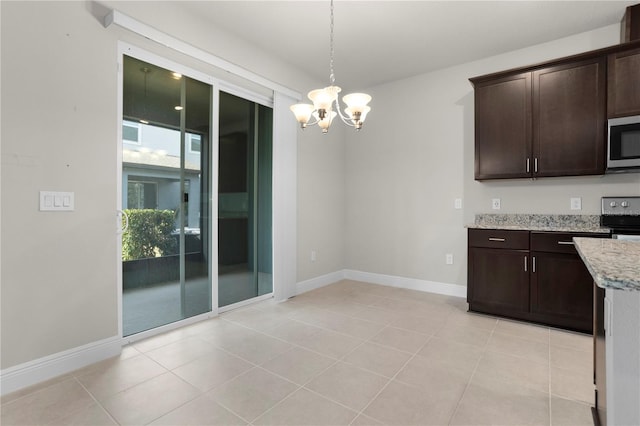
347,354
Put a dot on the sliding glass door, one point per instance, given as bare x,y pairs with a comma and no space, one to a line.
166,175
244,200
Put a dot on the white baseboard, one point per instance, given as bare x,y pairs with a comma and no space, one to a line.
39,370
388,280
318,282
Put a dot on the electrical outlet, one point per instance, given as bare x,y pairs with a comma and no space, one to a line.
576,203
449,259
457,204
495,203
313,255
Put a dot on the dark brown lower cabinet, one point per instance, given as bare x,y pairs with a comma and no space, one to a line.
500,281
534,276
559,290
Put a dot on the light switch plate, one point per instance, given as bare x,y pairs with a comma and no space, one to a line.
56,201
457,203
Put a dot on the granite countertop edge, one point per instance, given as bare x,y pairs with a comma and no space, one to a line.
598,230
613,264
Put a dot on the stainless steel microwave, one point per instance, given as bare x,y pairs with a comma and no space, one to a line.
623,148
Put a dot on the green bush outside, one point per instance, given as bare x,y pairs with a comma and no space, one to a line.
149,234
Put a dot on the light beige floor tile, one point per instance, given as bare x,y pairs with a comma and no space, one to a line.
451,354
401,339
116,377
470,335
93,415
572,340
160,340
570,413
572,385
401,404
257,348
422,324
348,385
523,330
379,359
181,352
363,420
307,408
377,315
255,318
35,388
202,411
293,331
530,349
495,402
330,343
431,376
298,365
46,405
252,393
212,370
571,359
463,318
355,327
150,400
512,369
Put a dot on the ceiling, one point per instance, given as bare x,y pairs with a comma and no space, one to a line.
382,41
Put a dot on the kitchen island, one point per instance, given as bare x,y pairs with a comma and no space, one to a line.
615,267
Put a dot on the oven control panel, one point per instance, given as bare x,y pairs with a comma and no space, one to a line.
621,206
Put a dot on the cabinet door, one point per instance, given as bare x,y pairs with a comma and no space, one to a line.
503,127
569,119
498,281
561,291
623,96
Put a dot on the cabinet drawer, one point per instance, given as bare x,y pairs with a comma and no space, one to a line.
499,238
558,242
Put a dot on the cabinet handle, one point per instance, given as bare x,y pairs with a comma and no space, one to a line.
535,165
525,263
501,240
533,264
528,168
565,243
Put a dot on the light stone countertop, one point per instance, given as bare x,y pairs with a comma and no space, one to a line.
540,222
613,264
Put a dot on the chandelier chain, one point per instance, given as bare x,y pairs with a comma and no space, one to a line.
332,78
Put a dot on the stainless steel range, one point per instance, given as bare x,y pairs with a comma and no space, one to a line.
622,215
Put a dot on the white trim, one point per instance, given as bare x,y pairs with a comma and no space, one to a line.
39,370
321,281
408,283
128,23
388,280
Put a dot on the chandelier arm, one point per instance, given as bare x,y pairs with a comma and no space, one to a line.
345,119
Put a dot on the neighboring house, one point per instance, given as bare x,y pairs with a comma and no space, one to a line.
151,170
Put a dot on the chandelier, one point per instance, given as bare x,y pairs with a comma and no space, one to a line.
324,101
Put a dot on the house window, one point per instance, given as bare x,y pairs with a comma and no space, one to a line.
142,195
131,132
195,143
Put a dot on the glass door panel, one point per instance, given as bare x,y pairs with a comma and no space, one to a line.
244,200
166,192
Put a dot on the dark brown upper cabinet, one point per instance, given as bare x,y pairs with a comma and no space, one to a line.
547,121
503,127
569,108
623,83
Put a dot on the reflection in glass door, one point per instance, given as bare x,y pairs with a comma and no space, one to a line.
244,200
166,250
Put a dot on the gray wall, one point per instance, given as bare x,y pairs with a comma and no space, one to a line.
417,157
59,132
